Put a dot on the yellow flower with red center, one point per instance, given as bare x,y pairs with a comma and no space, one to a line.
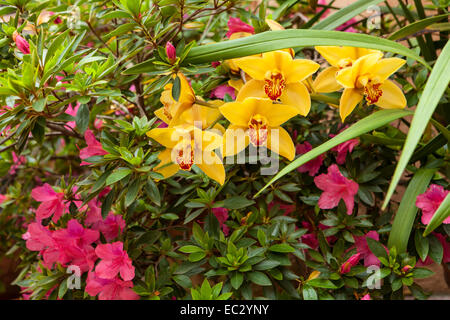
187,145
277,76
257,121
172,109
368,77
338,58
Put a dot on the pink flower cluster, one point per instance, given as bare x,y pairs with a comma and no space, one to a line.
80,246
237,25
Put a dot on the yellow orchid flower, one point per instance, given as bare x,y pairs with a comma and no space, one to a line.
187,145
277,76
367,77
273,25
338,58
257,121
172,109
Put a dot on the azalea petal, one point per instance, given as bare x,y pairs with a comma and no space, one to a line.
253,88
326,81
43,193
282,143
392,97
127,271
297,95
349,99
107,270
300,69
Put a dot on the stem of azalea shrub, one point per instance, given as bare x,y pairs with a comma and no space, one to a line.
324,98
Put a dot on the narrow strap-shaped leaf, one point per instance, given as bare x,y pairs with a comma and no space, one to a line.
344,14
282,39
416,27
442,213
406,213
375,120
436,85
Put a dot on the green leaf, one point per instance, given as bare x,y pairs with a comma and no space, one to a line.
309,293
281,247
82,118
183,280
321,283
442,213
416,27
236,280
106,205
191,249
421,273
176,88
282,39
343,15
237,202
407,211
436,85
376,248
117,175
132,192
375,120
422,245
259,278
266,265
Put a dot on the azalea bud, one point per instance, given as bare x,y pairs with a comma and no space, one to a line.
406,268
171,52
21,43
351,262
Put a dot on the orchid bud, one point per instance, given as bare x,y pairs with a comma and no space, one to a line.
21,43
171,52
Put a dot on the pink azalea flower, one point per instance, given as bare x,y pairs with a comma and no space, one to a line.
52,202
220,92
3,198
94,213
21,43
313,166
114,260
342,27
111,226
351,262
215,64
76,235
310,238
98,124
344,148
37,237
222,215
72,111
109,289
17,161
430,201
366,297
94,148
287,208
445,245
237,25
363,248
336,187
